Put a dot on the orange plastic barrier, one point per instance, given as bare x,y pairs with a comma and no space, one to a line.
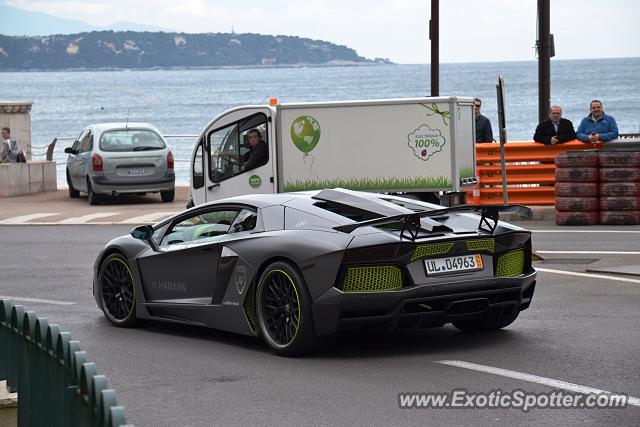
530,172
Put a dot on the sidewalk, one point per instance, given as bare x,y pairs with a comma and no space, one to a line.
56,208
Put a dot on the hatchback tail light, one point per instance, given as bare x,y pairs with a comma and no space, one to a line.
170,160
96,163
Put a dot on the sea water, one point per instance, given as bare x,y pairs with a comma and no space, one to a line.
184,101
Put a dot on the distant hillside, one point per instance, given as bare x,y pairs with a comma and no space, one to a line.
108,49
20,22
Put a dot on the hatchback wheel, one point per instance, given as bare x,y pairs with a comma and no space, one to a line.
94,199
168,196
73,193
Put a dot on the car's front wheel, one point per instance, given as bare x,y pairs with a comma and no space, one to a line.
284,310
489,321
116,289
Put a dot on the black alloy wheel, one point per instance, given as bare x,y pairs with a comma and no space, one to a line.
284,310
117,291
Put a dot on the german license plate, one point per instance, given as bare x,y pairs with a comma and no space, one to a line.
135,171
453,264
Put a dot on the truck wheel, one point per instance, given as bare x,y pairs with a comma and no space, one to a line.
73,193
620,159
620,217
168,196
619,189
283,306
577,159
490,321
619,174
577,174
93,198
576,189
576,218
619,203
576,204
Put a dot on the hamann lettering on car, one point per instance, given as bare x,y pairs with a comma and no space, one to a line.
165,285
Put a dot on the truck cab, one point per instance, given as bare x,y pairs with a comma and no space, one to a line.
423,146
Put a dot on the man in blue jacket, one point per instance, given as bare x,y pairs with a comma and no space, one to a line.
597,126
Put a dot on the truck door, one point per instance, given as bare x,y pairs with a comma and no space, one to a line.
240,154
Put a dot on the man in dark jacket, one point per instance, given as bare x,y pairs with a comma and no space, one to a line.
258,153
555,130
483,125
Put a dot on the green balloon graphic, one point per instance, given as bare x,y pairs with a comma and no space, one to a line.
305,133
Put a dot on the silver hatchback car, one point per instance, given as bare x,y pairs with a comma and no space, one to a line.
120,158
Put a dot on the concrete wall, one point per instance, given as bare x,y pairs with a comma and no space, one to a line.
16,115
17,179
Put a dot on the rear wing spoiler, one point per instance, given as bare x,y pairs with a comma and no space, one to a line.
410,223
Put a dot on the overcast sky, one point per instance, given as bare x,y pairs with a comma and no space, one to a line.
470,30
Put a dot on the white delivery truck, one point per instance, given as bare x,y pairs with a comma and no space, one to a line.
424,146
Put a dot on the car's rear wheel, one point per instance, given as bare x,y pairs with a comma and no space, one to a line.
73,193
94,199
284,310
117,294
488,322
168,196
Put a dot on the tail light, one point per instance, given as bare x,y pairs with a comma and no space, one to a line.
96,163
170,160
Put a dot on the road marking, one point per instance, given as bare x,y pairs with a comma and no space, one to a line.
593,276
86,218
22,219
148,218
533,379
37,300
586,231
590,252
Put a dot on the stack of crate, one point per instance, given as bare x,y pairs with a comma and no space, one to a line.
619,187
576,188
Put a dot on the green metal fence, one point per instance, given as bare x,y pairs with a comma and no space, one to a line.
56,385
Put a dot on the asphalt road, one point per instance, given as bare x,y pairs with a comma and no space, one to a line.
580,329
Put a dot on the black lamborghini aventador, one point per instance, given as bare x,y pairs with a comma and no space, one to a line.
296,268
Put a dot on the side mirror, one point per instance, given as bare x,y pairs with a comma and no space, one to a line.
69,150
142,232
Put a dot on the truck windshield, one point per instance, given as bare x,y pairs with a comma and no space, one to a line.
131,140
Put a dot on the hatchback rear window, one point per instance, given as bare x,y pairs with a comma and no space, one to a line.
131,140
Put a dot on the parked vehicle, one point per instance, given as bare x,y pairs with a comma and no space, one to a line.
297,268
120,158
424,146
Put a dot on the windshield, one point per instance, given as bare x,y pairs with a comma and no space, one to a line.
131,140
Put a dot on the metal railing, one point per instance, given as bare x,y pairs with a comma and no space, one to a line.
56,385
52,145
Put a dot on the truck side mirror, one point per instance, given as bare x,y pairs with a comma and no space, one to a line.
70,150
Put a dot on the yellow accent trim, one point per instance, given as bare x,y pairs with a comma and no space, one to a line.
431,249
510,264
372,279
481,245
